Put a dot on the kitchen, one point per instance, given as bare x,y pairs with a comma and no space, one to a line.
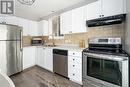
65,44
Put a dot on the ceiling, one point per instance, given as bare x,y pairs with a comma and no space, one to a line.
43,8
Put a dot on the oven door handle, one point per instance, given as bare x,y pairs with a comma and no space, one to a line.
106,57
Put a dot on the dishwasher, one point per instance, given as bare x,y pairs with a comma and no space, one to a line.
60,62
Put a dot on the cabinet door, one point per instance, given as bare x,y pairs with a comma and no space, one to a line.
2,18
33,28
49,59
112,7
66,22
24,24
29,54
9,19
93,10
40,58
45,28
78,20
12,20
40,29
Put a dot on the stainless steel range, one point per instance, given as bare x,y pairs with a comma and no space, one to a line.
105,64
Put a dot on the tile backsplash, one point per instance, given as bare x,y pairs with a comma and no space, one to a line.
103,31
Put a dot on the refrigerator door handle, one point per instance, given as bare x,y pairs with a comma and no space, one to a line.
21,43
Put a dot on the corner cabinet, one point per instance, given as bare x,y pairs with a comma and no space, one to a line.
75,66
49,59
40,56
29,54
104,8
73,21
44,58
29,27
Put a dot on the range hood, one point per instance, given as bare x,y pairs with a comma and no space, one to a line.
116,19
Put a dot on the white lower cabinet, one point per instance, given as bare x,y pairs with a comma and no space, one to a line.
49,59
75,66
44,58
29,54
40,58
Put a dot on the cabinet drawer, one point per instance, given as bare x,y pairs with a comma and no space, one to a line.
76,75
75,60
74,65
75,53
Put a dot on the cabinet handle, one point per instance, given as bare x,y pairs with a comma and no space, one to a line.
73,59
73,53
73,74
73,65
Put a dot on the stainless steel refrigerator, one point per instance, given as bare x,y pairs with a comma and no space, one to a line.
10,49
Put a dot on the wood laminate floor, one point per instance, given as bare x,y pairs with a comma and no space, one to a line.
38,77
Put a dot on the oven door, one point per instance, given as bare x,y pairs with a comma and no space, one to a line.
105,69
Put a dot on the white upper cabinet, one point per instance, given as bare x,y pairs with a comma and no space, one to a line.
78,20
33,28
104,8
40,29
43,28
24,24
92,10
66,22
30,28
112,7
12,20
7,19
73,21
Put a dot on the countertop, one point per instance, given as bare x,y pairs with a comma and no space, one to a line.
64,47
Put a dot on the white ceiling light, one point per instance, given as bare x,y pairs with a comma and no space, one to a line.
26,2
